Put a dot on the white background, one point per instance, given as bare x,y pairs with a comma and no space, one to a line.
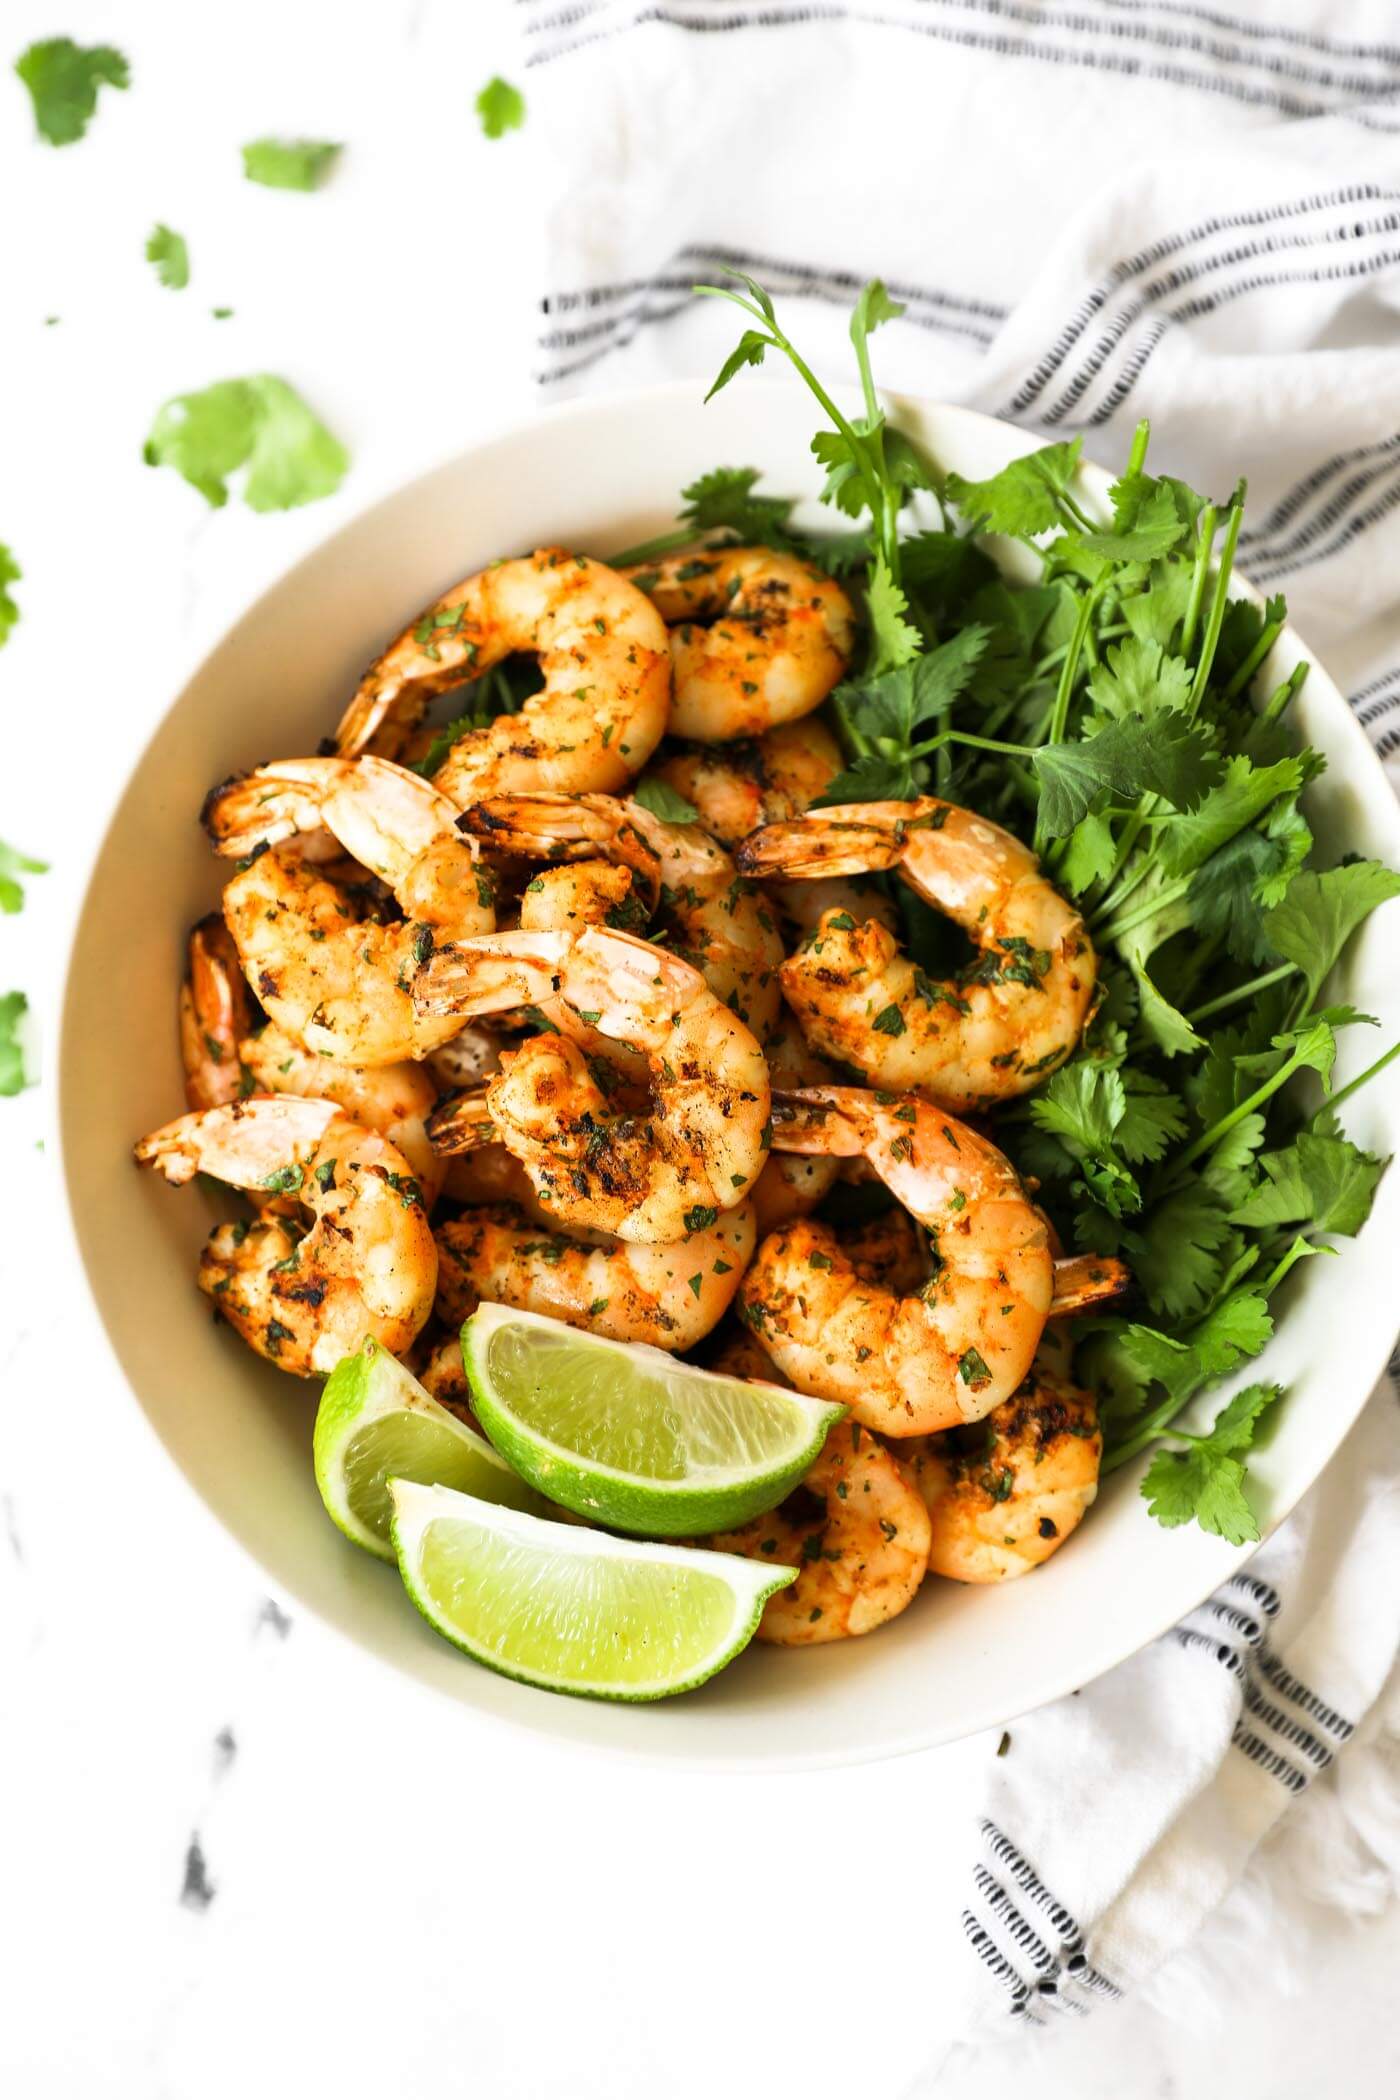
402,1900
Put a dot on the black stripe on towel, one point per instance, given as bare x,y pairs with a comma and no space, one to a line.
1129,267
1270,1761
1073,1962
1288,1731
1289,1687
1020,39
1359,522
982,1944
1302,492
1182,274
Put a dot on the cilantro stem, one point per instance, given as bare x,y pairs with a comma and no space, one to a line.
1116,928
1255,657
978,743
1205,542
1137,451
1219,600
653,550
1289,690
1059,712
1209,1139
1334,1102
1146,1433
1241,991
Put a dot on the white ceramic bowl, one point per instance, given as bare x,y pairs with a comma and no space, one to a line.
601,476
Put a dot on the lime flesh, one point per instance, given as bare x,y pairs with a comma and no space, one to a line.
376,1422
628,1437
572,1610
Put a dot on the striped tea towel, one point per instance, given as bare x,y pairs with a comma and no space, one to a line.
1094,210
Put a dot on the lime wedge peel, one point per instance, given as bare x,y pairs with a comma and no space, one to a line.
626,1436
570,1610
375,1420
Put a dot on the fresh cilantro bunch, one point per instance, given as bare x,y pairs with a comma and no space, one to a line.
1102,706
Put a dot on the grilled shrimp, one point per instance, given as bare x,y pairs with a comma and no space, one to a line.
779,638
792,1183
858,1535
216,1013
339,984
996,1029
761,780
1006,1493
648,1177
957,1347
713,917
669,1295
305,1298
602,650
396,1100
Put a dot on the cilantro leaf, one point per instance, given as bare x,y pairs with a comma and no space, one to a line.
723,501
63,79
1204,1484
1323,1182
1156,613
1088,855
1235,1329
259,423
171,257
1206,1481
1023,497
10,572
894,706
1235,799
1082,1104
1177,1253
1170,757
1153,1118
13,1080
1138,678
12,865
1319,914
870,778
663,801
1146,521
749,350
289,164
500,107
894,639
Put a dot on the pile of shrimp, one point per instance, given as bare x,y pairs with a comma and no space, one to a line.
473,1023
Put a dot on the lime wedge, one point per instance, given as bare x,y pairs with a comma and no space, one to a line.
626,1436
375,1420
572,1610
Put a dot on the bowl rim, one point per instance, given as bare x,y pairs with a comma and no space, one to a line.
57,1018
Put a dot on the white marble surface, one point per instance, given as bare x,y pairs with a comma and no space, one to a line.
232,1853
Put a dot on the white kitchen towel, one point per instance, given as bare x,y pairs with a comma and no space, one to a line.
1093,211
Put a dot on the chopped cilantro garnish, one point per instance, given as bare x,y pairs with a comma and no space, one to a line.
260,423
289,164
500,107
63,79
170,256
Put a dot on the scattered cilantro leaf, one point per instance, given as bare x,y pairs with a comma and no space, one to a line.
13,1079
500,107
63,79
13,864
10,572
171,257
290,164
262,424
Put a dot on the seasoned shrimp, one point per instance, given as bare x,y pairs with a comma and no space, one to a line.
647,1178
858,1535
216,1013
992,1032
1006,1493
711,914
335,982
760,780
954,1349
602,650
669,1295
792,1183
396,1100
779,638
367,1265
